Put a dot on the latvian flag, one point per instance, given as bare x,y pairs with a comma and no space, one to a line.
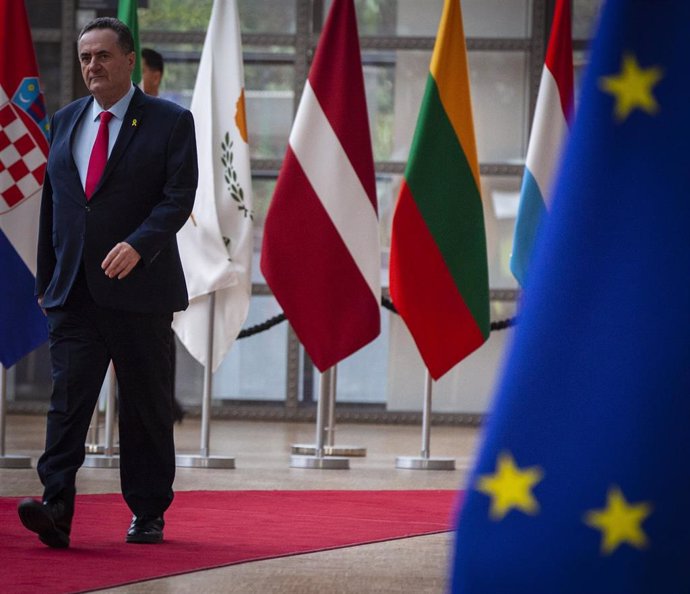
320,253
549,133
438,268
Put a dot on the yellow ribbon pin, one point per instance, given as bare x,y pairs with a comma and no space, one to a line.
134,122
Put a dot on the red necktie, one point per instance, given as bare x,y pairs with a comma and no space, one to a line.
99,156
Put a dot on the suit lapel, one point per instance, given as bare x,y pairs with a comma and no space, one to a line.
127,131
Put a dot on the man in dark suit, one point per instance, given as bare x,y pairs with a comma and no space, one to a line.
120,182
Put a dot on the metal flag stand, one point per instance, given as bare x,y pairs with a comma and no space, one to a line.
424,461
93,444
329,448
7,461
203,459
319,458
108,459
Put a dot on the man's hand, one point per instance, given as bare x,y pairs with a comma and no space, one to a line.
120,261
40,304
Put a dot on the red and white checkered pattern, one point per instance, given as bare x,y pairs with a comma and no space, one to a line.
22,162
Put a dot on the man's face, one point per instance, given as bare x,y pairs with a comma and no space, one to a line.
106,69
150,79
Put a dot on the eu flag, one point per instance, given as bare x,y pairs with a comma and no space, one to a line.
582,484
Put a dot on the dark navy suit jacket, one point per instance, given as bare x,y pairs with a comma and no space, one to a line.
144,197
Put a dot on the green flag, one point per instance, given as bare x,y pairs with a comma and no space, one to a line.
127,13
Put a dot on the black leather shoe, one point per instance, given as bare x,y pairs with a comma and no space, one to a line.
52,521
145,530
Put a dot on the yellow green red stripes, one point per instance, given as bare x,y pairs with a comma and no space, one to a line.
442,184
447,62
439,276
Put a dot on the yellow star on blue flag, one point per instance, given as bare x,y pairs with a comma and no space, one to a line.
619,522
632,88
510,487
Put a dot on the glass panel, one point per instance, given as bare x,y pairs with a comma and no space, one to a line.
379,87
267,16
31,377
585,15
580,61
411,21
269,95
467,388
270,108
48,58
362,377
482,18
387,188
499,101
497,18
179,75
256,366
256,16
411,73
262,192
500,104
500,197
44,14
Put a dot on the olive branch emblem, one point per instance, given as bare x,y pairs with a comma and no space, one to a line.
235,189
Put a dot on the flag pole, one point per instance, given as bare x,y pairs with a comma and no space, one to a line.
107,459
319,459
203,459
330,449
425,461
7,461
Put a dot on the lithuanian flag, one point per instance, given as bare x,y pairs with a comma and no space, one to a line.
438,268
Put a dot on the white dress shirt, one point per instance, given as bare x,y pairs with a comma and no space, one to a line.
87,128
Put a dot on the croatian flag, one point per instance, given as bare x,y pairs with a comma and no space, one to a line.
321,254
23,155
549,133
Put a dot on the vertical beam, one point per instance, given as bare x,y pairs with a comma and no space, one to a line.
67,51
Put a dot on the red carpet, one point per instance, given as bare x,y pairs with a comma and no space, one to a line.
207,529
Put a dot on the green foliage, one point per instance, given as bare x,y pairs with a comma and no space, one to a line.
175,15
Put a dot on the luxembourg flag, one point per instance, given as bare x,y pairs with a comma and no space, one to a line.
23,155
549,133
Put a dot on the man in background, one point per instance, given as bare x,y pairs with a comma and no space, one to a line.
151,71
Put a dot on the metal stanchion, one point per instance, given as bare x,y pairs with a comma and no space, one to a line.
92,444
203,459
424,461
7,461
319,459
107,459
329,448
93,437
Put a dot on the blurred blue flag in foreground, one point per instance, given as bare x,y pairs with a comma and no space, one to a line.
583,480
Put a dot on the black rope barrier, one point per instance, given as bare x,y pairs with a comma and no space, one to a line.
500,325
252,330
385,302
